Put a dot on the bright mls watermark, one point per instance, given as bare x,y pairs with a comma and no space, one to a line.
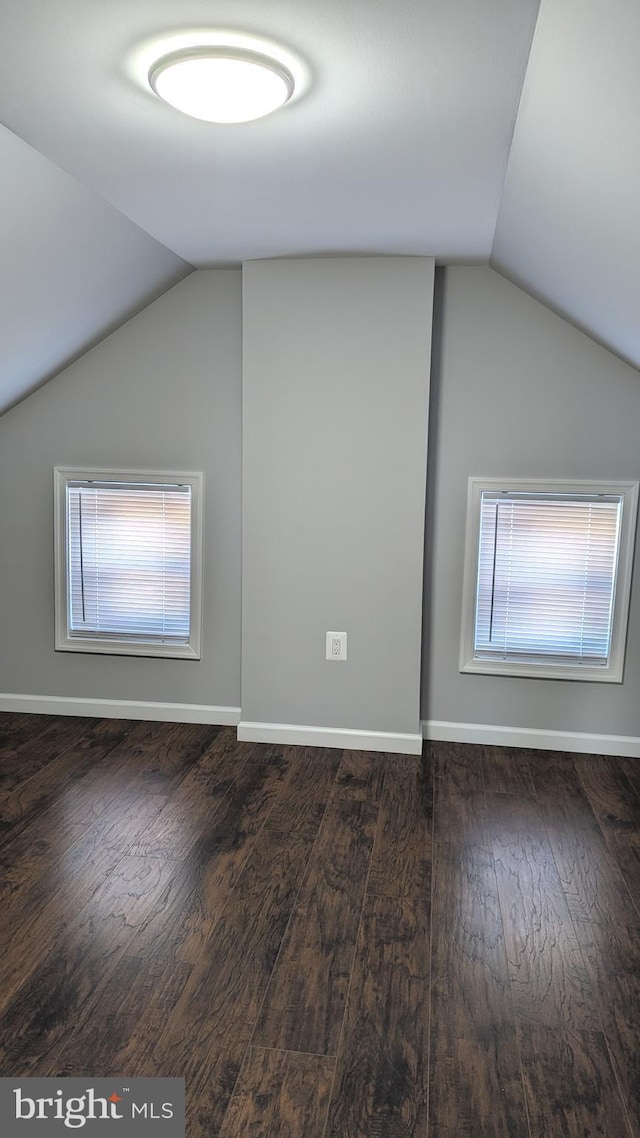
134,1107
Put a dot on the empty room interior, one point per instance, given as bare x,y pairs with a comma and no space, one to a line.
319,609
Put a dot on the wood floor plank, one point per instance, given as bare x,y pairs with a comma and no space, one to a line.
224,752
60,776
360,776
306,998
214,863
612,953
631,770
71,795
548,977
80,958
556,1008
476,1088
303,799
193,806
592,881
119,1025
35,916
66,741
279,1093
159,755
188,914
17,728
197,893
617,810
381,1076
207,1035
561,1110
401,861
567,1094
35,848
34,750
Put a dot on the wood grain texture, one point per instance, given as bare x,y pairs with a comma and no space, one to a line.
401,861
35,752
303,799
197,893
612,953
476,1088
48,1004
27,856
381,1077
558,1026
566,1092
18,727
214,864
119,1025
617,810
157,756
360,776
630,768
307,994
62,760
591,878
279,1093
548,977
207,1035
193,805
39,914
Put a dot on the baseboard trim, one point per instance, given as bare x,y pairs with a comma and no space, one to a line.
581,742
303,736
122,709
437,730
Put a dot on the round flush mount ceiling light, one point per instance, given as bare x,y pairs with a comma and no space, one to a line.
222,84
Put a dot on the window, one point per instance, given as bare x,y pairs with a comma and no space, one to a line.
547,578
128,557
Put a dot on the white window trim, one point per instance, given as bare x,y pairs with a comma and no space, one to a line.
66,643
613,673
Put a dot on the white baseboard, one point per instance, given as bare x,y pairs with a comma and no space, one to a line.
581,742
122,709
300,735
306,736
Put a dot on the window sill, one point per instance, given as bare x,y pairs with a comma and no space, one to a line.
608,675
128,648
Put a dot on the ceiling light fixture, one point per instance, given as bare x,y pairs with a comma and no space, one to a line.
222,84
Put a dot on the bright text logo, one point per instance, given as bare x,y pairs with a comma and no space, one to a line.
138,1107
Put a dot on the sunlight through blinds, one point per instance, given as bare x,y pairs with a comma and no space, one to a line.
546,576
129,556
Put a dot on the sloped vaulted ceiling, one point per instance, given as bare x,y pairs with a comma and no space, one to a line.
71,268
407,139
569,222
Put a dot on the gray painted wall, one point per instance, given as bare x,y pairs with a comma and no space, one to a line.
163,392
517,392
336,358
335,424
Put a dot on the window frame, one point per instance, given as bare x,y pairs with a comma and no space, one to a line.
549,670
64,641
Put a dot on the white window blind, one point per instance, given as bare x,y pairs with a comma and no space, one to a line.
129,561
546,577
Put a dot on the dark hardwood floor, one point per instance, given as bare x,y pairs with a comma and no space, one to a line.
325,944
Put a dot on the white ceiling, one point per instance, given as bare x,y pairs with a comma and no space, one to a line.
398,144
569,222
